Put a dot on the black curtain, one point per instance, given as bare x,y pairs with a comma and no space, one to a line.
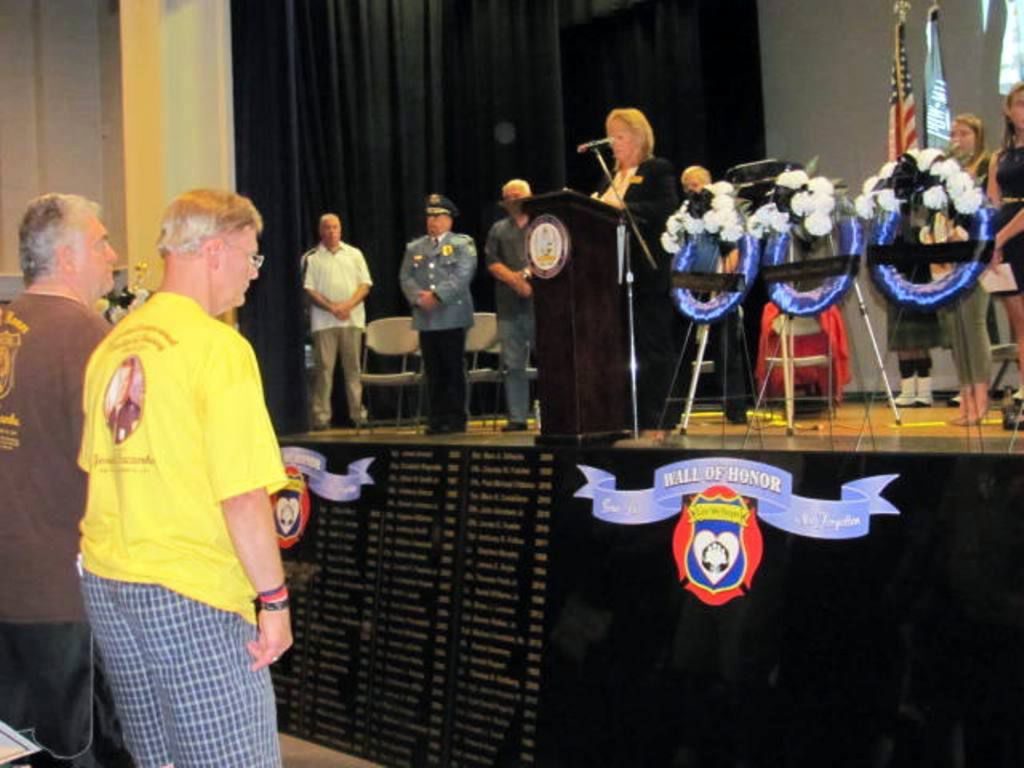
269,169
361,107
572,12
691,66
503,111
694,68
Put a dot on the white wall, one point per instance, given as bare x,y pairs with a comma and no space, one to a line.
53,132
126,103
825,72
196,75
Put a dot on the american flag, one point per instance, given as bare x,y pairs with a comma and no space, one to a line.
902,125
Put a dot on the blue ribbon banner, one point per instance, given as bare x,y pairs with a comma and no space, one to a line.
927,297
324,484
718,305
850,236
847,518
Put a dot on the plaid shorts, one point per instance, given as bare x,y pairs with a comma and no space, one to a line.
180,674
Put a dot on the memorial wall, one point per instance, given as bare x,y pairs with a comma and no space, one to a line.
484,606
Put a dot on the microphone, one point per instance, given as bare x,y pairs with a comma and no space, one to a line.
589,145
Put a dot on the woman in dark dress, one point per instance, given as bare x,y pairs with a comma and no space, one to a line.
647,184
1006,189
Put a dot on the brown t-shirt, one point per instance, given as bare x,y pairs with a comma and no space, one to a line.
45,342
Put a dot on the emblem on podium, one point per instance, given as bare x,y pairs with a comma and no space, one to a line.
547,246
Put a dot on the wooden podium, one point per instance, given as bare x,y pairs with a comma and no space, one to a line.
581,345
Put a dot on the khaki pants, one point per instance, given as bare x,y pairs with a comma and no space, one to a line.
330,345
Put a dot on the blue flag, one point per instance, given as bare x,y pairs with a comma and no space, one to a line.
936,107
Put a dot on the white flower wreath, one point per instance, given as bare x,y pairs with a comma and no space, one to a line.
711,212
940,182
798,201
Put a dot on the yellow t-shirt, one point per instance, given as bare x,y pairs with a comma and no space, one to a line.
175,423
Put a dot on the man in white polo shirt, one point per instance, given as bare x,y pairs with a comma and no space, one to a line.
338,283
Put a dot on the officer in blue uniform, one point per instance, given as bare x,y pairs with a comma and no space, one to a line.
435,276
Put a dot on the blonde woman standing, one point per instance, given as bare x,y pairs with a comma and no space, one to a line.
965,323
647,186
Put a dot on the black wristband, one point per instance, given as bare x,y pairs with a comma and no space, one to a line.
277,605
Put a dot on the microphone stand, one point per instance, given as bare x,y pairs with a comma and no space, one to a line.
625,209
626,272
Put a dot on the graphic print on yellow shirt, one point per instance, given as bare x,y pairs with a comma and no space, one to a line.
122,405
175,424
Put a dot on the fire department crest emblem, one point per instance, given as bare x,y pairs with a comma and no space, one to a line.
291,508
717,544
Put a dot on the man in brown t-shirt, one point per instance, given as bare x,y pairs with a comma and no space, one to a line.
46,336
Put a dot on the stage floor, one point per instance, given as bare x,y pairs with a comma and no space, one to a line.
856,426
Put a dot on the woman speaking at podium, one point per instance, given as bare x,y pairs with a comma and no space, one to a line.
647,185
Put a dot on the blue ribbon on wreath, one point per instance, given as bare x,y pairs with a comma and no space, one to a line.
832,289
929,296
718,305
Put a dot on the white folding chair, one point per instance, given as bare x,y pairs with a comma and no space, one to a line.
482,339
787,328
391,338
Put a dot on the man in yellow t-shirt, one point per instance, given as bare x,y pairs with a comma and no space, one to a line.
178,538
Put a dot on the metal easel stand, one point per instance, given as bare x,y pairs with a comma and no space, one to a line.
702,344
675,375
879,362
703,331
